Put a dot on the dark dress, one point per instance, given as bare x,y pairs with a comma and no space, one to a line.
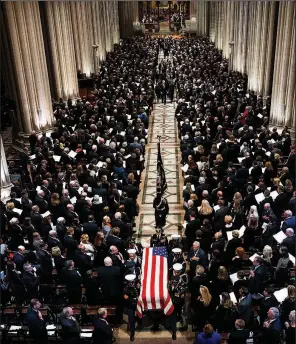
202,313
225,318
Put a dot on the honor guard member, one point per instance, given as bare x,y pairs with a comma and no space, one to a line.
175,242
176,256
131,243
161,206
132,256
159,239
177,287
131,269
130,296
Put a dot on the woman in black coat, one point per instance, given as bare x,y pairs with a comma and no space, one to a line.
225,314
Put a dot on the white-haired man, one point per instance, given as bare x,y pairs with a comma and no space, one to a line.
289,241
111,283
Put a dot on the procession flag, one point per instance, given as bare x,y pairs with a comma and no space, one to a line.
161,184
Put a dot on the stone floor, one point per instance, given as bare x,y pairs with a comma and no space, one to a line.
162,122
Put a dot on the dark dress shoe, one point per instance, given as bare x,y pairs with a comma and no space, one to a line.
132,337
174,336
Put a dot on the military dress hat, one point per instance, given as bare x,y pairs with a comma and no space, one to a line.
130,277
177,267
176,250
131,251
176,236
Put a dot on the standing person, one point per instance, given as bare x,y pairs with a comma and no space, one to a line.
31,281
272,327
241,334
130,295
73,280
177,286
103,332
70,326
36,323
208,336
161,206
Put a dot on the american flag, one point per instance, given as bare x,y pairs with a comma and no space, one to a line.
154,293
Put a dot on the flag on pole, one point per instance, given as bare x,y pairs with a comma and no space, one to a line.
154,293
161,184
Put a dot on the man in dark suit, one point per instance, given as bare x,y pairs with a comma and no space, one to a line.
244,307
240,335
31,281
257,276
289,241
36,323
103,332
70,326
220,215
111,283
114,240
267,302
241,177
70,243
41,202
52,240
90,228
118,222
196,256
73,280
191,228
19,258
131,191
82,260
281,202
36,218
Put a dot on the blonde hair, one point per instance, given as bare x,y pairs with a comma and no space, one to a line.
188,187
219,157
106,219
267,253
10,205
205,294
222,273
56,251
237,196
84,238
193,197
291,292
205,208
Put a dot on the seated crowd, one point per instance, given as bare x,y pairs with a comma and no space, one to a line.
68,227
69,222
239,199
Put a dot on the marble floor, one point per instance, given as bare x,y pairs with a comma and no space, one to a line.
162,122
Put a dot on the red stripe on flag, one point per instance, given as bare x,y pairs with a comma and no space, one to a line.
161,286
144,285
152,283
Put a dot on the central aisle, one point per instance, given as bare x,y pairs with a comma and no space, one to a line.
162,123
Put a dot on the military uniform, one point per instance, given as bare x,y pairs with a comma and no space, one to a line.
175,242
177,287
131,244
176,256
159,239
131,293
161,207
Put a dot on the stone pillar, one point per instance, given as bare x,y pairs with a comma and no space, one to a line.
5,183
128,13
61,44
283,90
81,36
23,25
193,9
108,37
202,18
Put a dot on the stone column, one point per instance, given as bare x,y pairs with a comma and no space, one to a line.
82,36
283,90
106,15
23,25
193,8
5,183
128,13
61,44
